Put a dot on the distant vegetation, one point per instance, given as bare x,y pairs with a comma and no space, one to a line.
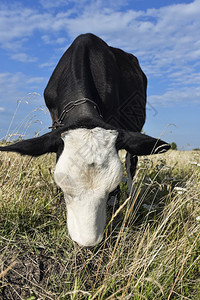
151,246
173,146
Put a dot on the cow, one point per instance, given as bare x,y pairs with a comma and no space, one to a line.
96,97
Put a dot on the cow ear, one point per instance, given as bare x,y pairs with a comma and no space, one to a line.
140,144
46,143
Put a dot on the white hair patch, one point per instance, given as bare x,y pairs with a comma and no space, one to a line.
88,169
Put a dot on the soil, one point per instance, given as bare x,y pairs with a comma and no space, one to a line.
30,277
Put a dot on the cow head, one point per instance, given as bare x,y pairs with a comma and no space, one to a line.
87,170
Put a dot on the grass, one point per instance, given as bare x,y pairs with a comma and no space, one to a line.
151,246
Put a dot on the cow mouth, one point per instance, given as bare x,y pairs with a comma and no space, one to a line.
86,223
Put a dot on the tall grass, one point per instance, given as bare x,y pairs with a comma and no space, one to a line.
151,243
20,129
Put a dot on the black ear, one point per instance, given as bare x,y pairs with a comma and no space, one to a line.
140,144
49,142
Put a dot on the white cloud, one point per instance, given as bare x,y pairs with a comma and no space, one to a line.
168,28
166,40
50,65
77,4
14,87
47,39
53,3
161,38
174,96
19,23
21,94
23,57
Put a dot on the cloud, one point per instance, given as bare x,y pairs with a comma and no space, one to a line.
166,40
77,4
54,3
50,65
14,87
17,23
21,95
47,39
161,38
172,97
23,57
168,28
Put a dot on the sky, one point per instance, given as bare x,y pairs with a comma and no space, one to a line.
163,34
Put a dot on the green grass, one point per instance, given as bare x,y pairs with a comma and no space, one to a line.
152,242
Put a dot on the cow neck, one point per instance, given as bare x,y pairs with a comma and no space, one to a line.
83,122
76,110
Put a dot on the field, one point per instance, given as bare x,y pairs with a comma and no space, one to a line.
151,248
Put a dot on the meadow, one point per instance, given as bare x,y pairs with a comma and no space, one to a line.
151,245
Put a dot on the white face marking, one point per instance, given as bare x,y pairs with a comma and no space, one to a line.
88,169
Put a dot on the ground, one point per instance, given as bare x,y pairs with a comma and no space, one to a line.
151,245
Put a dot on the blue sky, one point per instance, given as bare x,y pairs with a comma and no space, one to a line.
163,34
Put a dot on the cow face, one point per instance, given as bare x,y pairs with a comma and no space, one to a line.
88,169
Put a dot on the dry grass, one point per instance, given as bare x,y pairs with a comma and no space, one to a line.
151,245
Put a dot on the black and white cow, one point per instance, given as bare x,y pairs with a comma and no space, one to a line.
96,97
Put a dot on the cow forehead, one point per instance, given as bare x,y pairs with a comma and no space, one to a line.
89,145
